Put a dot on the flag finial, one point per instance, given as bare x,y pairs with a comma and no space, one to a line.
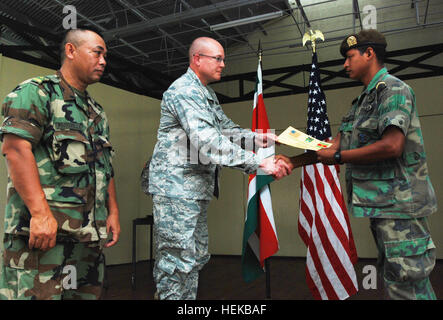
313,36
259,51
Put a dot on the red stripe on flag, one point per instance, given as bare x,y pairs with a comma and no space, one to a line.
261,121
301,230
312,285
268,240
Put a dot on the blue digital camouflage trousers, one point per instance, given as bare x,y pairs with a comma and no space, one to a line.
67,271
181,240
406,257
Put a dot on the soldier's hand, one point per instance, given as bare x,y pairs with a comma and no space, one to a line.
278,170
285,159
326,156
43,231
113,226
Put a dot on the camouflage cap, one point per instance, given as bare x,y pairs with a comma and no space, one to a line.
369,37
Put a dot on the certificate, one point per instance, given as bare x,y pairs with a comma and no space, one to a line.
295,138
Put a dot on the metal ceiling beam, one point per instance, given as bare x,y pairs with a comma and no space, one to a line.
139,27
356,11
14,24
426,52
115,62
426,12
103,30
237,29
303,13
218,34
142,16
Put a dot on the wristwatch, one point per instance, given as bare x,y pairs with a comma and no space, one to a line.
337,157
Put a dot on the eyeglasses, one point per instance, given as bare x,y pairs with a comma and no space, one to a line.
218,59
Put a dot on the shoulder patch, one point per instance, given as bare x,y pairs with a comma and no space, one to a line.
41,79
38,80
380,86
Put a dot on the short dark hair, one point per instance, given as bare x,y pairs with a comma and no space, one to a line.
66,39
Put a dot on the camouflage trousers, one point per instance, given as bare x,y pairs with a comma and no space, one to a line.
406,257
67,271
181,240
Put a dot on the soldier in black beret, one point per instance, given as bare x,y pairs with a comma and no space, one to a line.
387,179
381,139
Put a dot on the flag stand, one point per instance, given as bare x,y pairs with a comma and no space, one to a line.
268,279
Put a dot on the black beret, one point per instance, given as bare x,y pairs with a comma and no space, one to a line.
365,38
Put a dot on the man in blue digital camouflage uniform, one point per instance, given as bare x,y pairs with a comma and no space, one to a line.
61,200
195,139
387,179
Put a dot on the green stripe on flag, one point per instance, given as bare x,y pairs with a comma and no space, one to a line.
251,268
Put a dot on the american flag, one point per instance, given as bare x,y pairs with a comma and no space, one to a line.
323,220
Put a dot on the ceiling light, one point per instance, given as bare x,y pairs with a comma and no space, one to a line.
240,22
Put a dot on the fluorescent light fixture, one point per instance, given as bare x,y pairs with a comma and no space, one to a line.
248,20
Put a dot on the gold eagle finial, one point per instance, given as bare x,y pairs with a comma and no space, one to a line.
313,36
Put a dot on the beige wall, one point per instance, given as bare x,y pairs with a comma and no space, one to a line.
134,121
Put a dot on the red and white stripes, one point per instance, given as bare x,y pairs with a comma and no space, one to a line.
325,229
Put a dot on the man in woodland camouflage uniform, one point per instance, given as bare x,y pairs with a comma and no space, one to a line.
61,200
387,178
195,139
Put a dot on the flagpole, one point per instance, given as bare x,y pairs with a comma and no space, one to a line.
267,264
268,279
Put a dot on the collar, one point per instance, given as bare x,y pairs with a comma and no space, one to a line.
376,79
383,71
69,92
206,90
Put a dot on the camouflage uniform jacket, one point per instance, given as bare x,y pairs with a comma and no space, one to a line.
395,188
70,141
195,138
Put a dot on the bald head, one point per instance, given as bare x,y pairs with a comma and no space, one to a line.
203,44
207,59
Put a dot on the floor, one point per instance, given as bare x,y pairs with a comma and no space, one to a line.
221,279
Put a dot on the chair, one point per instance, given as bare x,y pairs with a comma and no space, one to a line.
148,220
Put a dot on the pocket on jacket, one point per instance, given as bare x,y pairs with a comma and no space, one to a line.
69,152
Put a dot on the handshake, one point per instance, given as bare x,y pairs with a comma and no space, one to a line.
278,166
